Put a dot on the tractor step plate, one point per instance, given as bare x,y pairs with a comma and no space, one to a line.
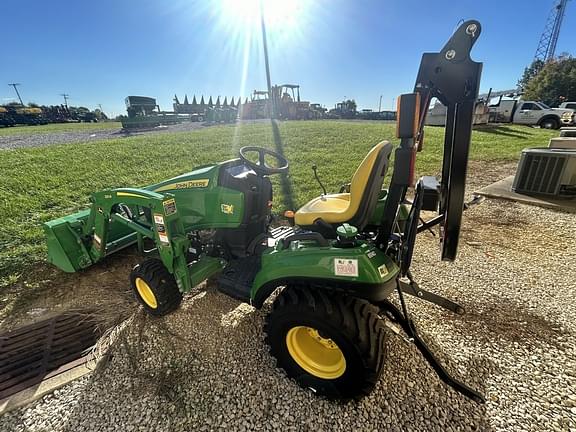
237,278
31,354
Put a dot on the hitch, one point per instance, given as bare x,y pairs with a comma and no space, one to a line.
414,289
409,328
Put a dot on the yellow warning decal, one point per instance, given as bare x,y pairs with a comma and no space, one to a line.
190,184
169,207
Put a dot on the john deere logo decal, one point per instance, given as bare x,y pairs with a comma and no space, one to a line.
190,184
227,208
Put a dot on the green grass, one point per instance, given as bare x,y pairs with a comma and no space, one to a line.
58,127
40,184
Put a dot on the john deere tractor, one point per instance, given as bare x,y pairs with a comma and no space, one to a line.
335,264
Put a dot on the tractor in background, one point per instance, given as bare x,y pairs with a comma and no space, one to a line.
286,100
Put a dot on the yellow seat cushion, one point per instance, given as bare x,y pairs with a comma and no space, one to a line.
331,208
340,208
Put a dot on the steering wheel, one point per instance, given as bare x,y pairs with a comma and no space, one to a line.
261,167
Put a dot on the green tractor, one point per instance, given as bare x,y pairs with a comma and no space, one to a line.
331,269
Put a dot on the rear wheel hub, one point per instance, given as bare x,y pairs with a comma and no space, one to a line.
315,354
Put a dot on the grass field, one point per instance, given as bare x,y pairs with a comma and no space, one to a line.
58,127
39,184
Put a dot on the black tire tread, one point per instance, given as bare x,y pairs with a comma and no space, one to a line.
356,318
162,284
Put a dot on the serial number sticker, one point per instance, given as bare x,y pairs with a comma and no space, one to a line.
169,207
371,254
346,267
383,270
163,238
158,219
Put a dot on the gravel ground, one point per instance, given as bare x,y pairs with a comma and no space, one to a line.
206,367
42,139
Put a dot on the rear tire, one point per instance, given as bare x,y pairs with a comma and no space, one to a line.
550,123
155,288
330,343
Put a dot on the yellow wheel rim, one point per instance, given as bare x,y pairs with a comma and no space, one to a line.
145,293
318,356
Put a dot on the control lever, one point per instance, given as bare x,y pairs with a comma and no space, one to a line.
315,169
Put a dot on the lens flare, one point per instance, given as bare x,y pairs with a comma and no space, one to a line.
284,18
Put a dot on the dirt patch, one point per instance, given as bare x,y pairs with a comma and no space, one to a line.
103,289
481,173
493,323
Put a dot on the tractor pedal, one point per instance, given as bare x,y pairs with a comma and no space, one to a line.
237,277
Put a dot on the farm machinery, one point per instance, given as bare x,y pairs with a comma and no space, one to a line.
144,112
286,99
333,269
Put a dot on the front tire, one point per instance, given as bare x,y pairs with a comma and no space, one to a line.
550,123
155,288
330,343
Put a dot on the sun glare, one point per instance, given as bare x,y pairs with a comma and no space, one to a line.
282,17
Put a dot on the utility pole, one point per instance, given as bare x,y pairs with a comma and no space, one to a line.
380,104
15,85
65,96
265,46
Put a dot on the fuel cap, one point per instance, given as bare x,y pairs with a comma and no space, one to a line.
346,231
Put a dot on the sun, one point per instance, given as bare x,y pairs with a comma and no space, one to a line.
282,17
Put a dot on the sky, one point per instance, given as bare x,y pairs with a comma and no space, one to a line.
100,52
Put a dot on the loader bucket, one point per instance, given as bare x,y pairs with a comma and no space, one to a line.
66,250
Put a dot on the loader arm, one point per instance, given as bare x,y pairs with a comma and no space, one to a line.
146,214
119,218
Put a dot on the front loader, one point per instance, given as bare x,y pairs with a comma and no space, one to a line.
332,269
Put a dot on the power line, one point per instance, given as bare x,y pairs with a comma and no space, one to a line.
15,85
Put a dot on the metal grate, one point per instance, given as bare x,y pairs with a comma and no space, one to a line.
30,354
539,173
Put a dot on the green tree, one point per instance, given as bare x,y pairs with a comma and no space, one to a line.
530,72
555,83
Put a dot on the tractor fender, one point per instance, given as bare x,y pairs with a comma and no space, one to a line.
362,271
373,292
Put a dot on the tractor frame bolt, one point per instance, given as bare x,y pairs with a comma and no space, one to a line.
450,54
471,29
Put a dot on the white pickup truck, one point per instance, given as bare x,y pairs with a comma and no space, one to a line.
568,105
531,113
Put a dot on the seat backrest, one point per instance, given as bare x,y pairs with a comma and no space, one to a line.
367,183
